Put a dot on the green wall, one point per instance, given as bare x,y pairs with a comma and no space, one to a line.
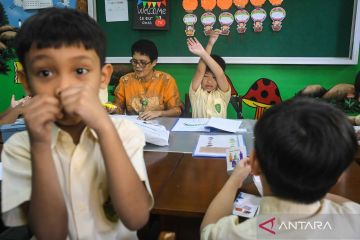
289,78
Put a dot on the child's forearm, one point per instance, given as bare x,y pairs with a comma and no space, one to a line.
10,115
222,204
128,194
47,210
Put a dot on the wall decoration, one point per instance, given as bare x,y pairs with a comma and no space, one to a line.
241,3
190,5
190,20
276,2
224,5
208,5
262,95
225,19
257,3
208,19
151,15
258,15
17,68
242,17
277,15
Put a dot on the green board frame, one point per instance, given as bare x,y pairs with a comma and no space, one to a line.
324,32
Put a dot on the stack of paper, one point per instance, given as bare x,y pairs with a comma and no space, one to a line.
217,145
154,132
206,125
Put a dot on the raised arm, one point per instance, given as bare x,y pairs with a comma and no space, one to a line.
196,48
201,67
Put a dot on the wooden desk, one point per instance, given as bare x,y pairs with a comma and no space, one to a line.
184,187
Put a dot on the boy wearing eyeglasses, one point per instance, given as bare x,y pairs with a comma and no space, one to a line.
209,90
147,92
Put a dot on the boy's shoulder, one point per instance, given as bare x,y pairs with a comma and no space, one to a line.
126,127
330,207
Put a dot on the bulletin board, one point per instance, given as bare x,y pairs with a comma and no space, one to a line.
313,32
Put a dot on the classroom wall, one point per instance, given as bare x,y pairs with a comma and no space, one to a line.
289,78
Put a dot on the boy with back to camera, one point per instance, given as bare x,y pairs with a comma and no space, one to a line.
209,89
301,148
73,161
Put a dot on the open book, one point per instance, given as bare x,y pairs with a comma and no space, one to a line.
246,205
217,145
207,125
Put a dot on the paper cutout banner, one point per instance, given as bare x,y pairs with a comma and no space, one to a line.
151,3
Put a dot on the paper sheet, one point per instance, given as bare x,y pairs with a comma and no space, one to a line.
116,10
191,125
37,4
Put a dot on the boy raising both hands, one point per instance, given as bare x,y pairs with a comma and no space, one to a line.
209,90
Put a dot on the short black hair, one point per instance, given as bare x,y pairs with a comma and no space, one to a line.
145,47
219,60
55,27
303,145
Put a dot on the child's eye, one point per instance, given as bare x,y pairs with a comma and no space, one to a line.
81,71
45,73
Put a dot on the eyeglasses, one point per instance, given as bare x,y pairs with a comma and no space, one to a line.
135,62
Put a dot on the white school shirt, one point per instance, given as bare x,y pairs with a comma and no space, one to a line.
343,219
82,177
209,104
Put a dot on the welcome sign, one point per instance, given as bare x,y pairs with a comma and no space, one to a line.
151,15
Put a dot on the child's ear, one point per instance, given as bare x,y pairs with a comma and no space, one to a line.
106,72
22,78
255,167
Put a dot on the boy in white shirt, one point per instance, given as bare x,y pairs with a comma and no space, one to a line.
301,147
75,173
209,91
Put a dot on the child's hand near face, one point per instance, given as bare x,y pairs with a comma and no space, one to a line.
195,46
82,100
39,112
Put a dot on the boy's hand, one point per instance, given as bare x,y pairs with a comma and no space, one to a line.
39,112
241,171
83,101
148,115
195,46
214,35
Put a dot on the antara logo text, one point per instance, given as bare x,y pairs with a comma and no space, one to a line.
269,225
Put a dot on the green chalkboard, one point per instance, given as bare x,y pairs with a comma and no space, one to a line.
313,32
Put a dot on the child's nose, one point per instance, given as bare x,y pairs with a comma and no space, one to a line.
64,82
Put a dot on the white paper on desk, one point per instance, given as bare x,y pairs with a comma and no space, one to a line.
37,4
116,10
228,125
191,125
216,145
154,132
357,131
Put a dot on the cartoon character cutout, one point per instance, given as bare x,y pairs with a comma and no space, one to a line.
258,15
262,95
208,19
241,3
224,5
190,20
242,17
225,19
208,5
277,15
190,5
257,3
276,2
